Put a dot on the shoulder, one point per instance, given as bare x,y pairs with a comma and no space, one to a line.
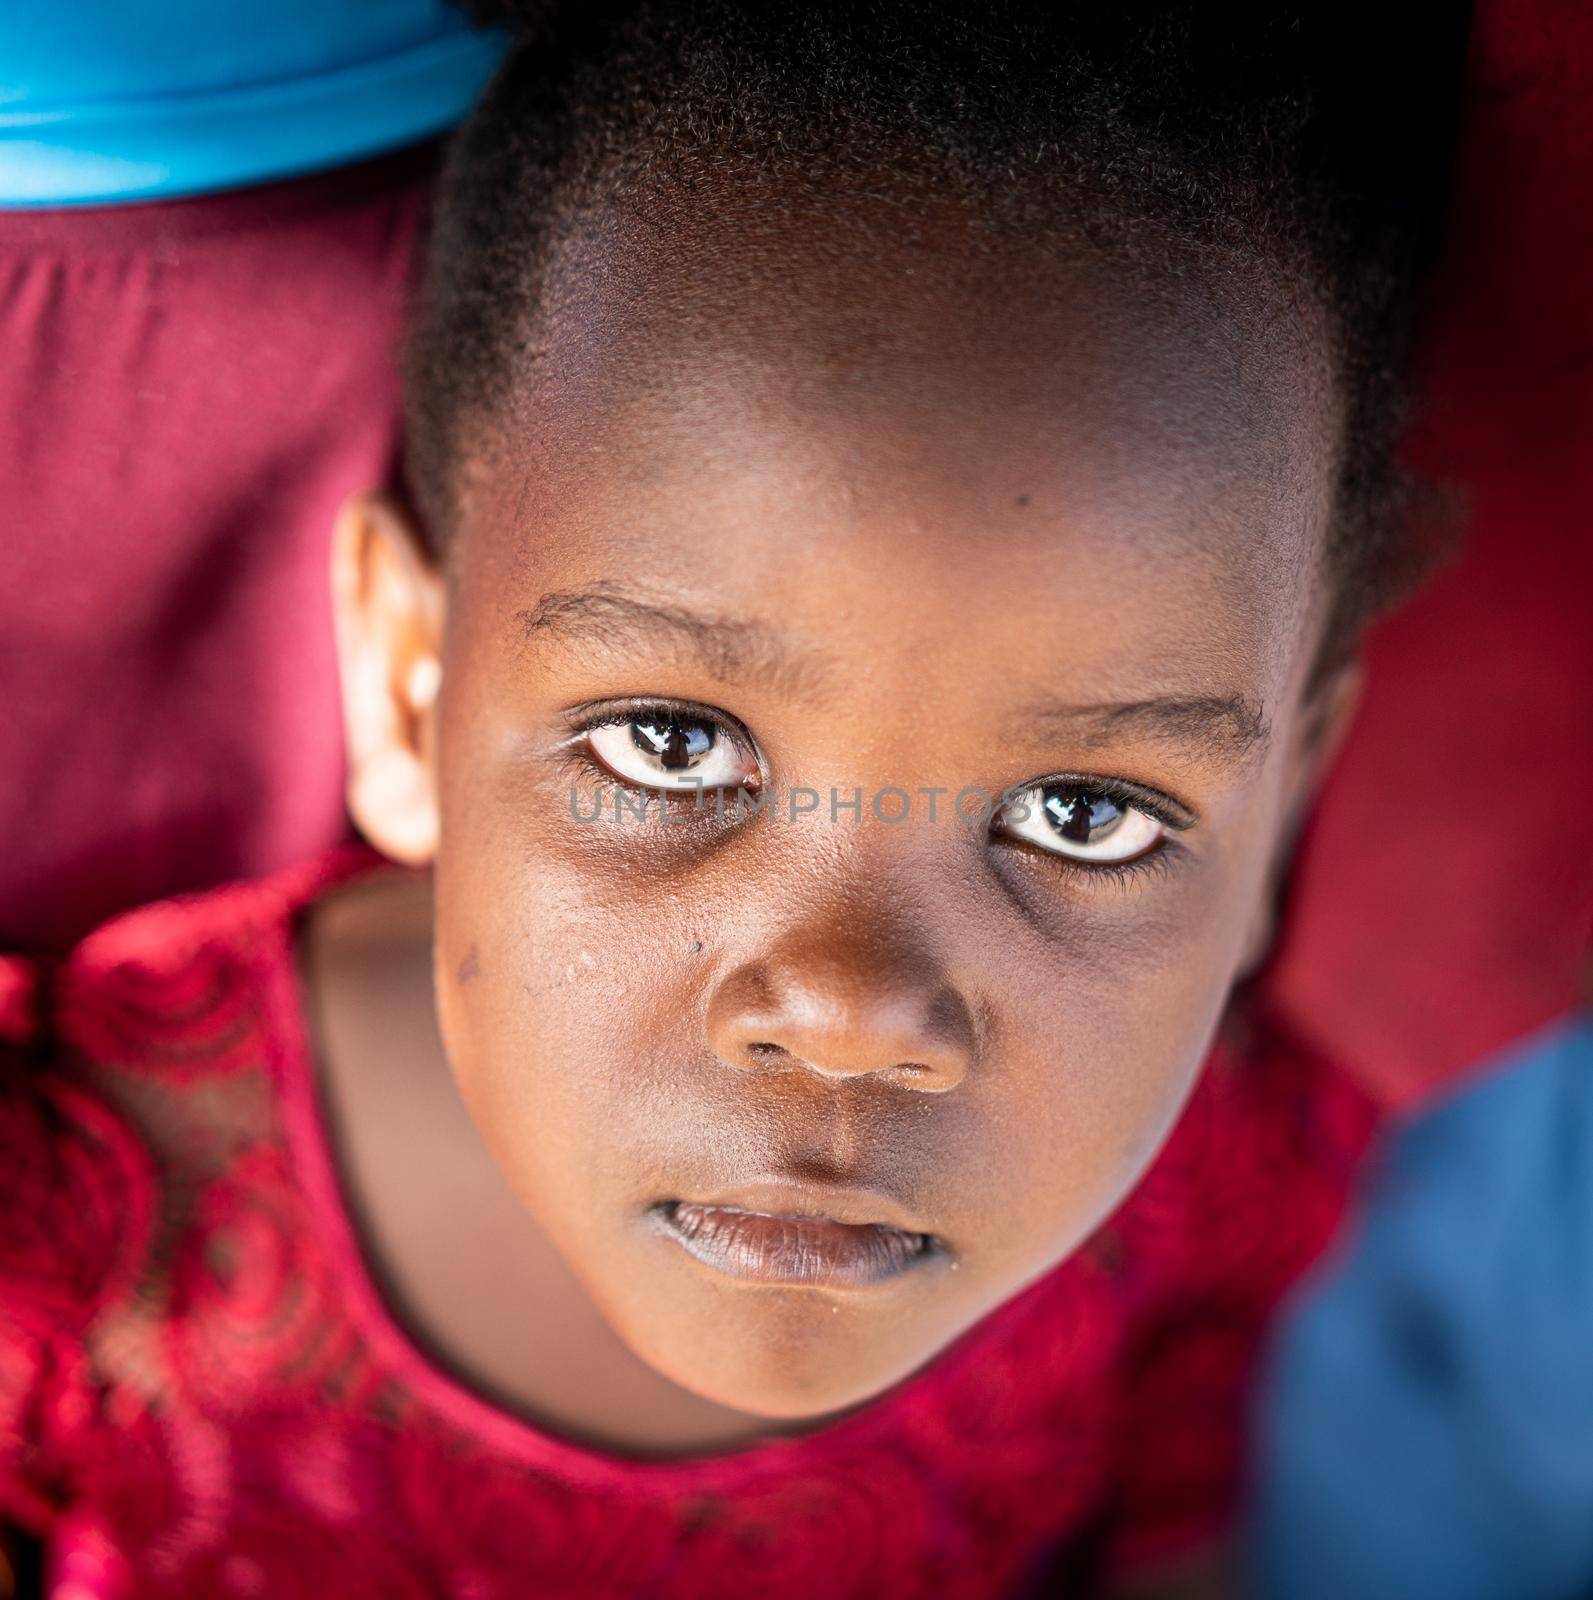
142,1076
158,1255
178,988
78,1198
1254,1178
77,1191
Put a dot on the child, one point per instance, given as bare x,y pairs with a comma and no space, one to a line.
895,493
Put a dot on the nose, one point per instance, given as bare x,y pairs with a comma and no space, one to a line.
844,1004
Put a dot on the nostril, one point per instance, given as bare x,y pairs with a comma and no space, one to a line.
766,1052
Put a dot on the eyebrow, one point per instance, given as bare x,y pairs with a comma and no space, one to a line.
728,648
1231,726
1227,725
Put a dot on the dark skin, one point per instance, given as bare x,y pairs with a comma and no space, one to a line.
920,515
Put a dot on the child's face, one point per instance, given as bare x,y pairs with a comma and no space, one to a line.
844,521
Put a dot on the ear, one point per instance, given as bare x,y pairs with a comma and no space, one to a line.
388,604
1325,720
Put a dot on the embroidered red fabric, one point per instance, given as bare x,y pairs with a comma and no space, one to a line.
203,1393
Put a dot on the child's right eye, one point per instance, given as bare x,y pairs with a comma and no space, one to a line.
668,750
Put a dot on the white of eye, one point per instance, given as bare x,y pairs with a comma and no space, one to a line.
1079,823
672,754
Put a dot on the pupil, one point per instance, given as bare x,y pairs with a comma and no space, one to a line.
1081,817
675,744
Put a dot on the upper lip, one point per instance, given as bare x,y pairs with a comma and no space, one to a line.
860,1207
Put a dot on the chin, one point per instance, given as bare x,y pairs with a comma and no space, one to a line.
792,1356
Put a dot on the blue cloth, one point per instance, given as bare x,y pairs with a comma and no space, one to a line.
1427,1425
112,100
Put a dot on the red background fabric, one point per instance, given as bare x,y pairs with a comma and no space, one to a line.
1444,900
188,391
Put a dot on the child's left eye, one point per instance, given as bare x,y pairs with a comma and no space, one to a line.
1084,824
672,750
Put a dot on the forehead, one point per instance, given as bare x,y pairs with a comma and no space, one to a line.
807,409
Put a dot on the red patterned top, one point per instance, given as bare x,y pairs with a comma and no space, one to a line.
202,1392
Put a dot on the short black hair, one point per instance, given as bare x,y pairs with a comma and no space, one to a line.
1316,138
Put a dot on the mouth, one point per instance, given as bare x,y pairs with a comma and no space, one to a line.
791,1247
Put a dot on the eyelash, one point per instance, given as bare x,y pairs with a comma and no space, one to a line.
1162,859
1106,874
577,760
1166,855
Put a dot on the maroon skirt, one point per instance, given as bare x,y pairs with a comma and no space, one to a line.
187,392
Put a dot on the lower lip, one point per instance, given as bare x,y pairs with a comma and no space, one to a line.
811,1252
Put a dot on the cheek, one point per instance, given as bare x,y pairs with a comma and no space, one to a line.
1096,1052
568,991
546,993
1144,993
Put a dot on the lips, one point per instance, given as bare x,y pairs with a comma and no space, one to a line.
770,1247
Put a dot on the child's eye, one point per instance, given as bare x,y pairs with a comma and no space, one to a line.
1083,823
670,750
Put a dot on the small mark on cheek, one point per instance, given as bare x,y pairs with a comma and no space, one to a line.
1022,500
584,961
694,946
470,967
